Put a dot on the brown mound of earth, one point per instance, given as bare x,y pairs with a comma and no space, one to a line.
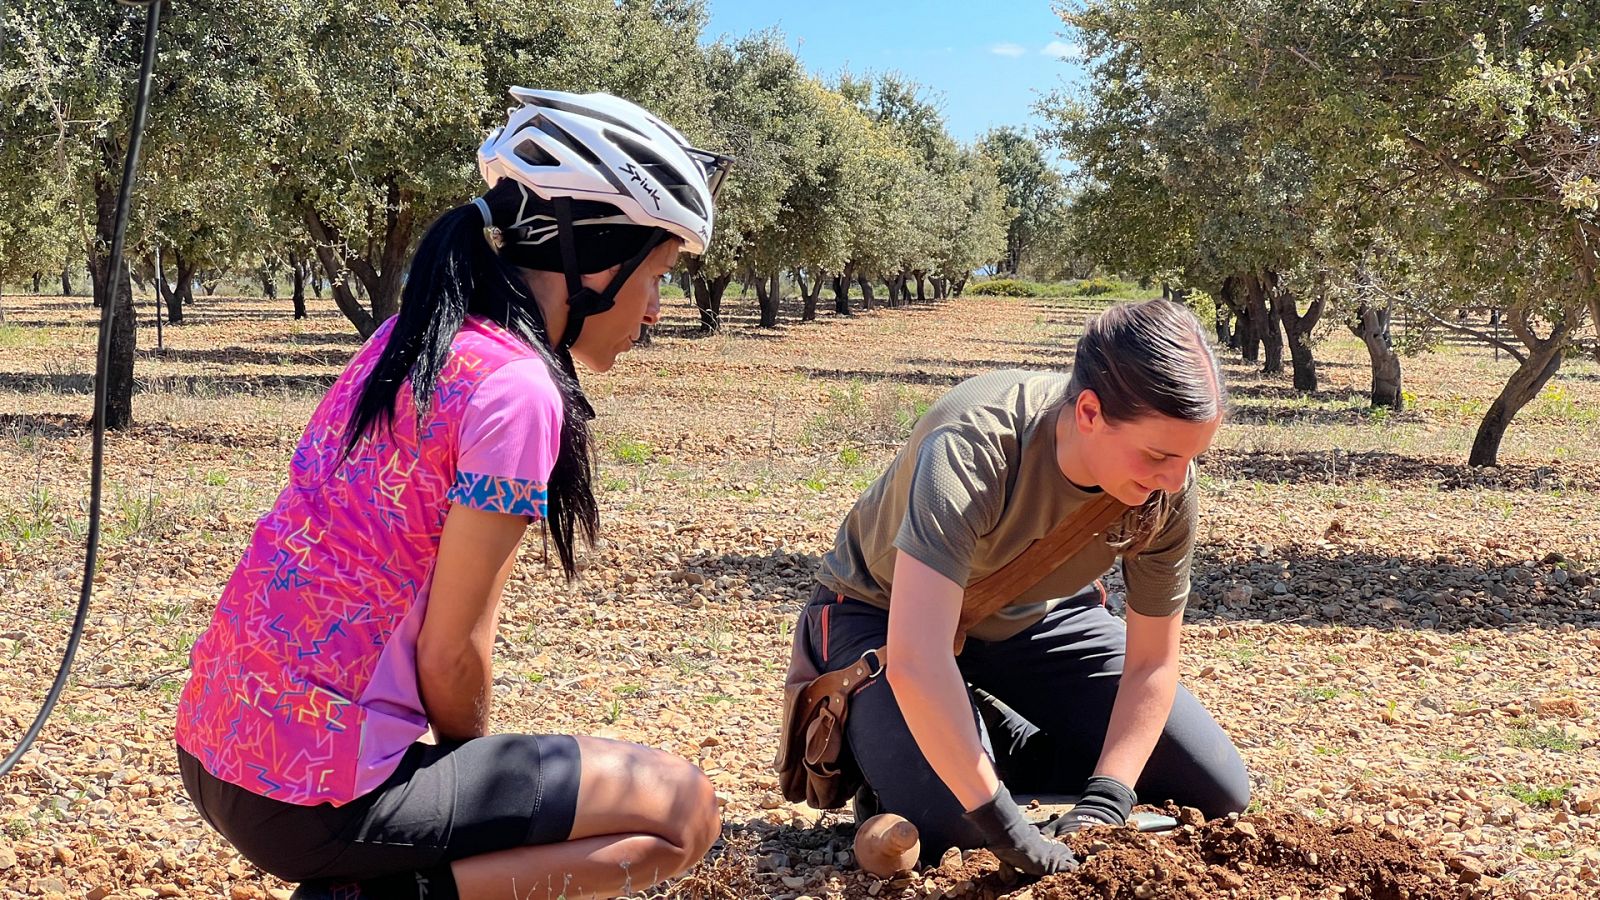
1266,856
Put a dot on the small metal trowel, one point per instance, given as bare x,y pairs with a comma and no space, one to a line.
1040,808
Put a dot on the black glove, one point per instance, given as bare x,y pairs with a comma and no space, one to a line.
1016,842
1106,801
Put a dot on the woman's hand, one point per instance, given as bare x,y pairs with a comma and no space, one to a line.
476,552
924,609
1014,841
1104,801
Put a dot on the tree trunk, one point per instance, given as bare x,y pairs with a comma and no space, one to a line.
921,277
123,340
339,282
37,278
1299,329
961,285
768,295
382,281
269,284
163,289
708,296
809,292
1266,314
1224,319
182,290
841,294
297,266
1534,369
866,291
97,278
1252,322
66,282
1371,324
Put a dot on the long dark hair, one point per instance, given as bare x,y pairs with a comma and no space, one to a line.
454,273
1145,359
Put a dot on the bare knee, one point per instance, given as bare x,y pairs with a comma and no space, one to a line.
697,822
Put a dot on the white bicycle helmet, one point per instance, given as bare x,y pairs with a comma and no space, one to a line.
602,148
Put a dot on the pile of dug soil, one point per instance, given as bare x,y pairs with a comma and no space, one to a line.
1265,856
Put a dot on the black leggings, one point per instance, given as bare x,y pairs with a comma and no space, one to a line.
444,803
1042,702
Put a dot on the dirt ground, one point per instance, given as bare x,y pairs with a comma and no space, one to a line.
1404,649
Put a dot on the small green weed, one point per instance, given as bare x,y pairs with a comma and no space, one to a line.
1551,738
1319,693
633,452
1540,796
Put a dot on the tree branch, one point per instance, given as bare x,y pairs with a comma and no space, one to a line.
1516,354
1452,166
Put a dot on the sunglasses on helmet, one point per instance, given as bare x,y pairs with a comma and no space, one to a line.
716,167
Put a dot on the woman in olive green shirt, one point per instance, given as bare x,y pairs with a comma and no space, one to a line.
1053,694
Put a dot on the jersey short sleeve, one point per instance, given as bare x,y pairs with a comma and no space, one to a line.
510,437
957,493
1158,576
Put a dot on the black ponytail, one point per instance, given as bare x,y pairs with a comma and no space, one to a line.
454,273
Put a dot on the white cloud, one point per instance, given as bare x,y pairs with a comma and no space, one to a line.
1063,50
1011,50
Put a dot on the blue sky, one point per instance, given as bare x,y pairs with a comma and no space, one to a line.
988,61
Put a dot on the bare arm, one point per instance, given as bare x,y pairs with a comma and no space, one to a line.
476,552
924,609
1144,697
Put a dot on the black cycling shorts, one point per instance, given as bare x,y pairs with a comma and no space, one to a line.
443,803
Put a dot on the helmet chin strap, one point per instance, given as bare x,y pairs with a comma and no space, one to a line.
583,301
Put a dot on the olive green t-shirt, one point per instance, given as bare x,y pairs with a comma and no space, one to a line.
974,485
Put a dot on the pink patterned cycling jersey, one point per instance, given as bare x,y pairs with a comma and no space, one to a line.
304,686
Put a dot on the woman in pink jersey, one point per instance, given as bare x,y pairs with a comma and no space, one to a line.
362,616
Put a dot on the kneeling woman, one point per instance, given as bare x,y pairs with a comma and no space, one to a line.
364,612
1053,694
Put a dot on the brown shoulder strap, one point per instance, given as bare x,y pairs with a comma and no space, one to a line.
1042,557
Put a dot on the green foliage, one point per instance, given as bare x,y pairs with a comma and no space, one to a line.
1550,796
1007,287
336,132
1036,196
1551,738
633,452
1429,162
1095,287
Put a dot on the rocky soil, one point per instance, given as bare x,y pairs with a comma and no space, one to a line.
1403,648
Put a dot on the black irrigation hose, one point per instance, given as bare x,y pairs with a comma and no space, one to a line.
107,315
